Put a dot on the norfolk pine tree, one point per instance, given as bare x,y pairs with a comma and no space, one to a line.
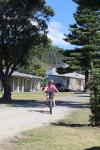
86,36
23,23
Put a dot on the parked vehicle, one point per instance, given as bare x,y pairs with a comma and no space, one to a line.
60,87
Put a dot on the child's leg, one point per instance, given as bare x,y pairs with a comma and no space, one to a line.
54,102
47,99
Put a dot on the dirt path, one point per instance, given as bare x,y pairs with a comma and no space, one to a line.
21,117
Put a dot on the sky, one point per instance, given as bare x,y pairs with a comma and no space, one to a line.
59,24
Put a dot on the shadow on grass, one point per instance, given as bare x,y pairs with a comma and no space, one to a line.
72,104
72,125
94,148
83,96
40,111
28,103
41,103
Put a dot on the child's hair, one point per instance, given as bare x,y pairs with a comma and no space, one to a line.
51,81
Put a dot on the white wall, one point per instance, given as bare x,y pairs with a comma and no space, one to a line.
73,84
20,84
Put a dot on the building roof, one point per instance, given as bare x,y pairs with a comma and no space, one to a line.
53,72
18,74
75,75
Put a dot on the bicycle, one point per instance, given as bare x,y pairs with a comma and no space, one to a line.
51,102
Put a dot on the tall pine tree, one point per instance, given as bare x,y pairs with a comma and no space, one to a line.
85,34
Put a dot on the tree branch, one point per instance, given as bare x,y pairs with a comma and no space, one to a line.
12,70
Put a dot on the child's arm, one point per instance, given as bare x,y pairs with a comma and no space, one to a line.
45,89
56,89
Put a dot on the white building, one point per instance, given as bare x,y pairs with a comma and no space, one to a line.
21,82
69,81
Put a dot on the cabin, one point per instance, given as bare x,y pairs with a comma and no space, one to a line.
21,82
66,82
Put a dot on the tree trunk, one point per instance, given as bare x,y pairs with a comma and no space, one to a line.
86,81
7,91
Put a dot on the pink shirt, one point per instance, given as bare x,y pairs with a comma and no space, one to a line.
51,88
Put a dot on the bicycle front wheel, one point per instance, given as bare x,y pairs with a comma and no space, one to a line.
51,106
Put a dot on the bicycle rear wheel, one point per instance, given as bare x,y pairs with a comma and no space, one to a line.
51,106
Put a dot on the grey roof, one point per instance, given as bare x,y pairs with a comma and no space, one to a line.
18,74
75,75
69,75
52,71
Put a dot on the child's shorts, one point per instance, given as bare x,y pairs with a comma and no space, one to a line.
51,95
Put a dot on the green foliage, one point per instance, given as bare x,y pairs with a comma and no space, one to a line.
72,59
42,57
89,3
95,97
86,36
23,23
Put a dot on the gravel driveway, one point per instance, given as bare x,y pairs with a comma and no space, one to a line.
20,117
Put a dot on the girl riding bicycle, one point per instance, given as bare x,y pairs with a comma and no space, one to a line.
50,90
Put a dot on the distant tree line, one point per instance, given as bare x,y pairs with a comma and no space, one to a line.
41,58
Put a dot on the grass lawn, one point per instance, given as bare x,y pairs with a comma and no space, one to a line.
73,133
36,95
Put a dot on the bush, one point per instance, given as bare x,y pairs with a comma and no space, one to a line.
95,97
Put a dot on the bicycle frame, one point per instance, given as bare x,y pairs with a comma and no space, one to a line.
51,103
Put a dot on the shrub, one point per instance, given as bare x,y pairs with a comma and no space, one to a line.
95,97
